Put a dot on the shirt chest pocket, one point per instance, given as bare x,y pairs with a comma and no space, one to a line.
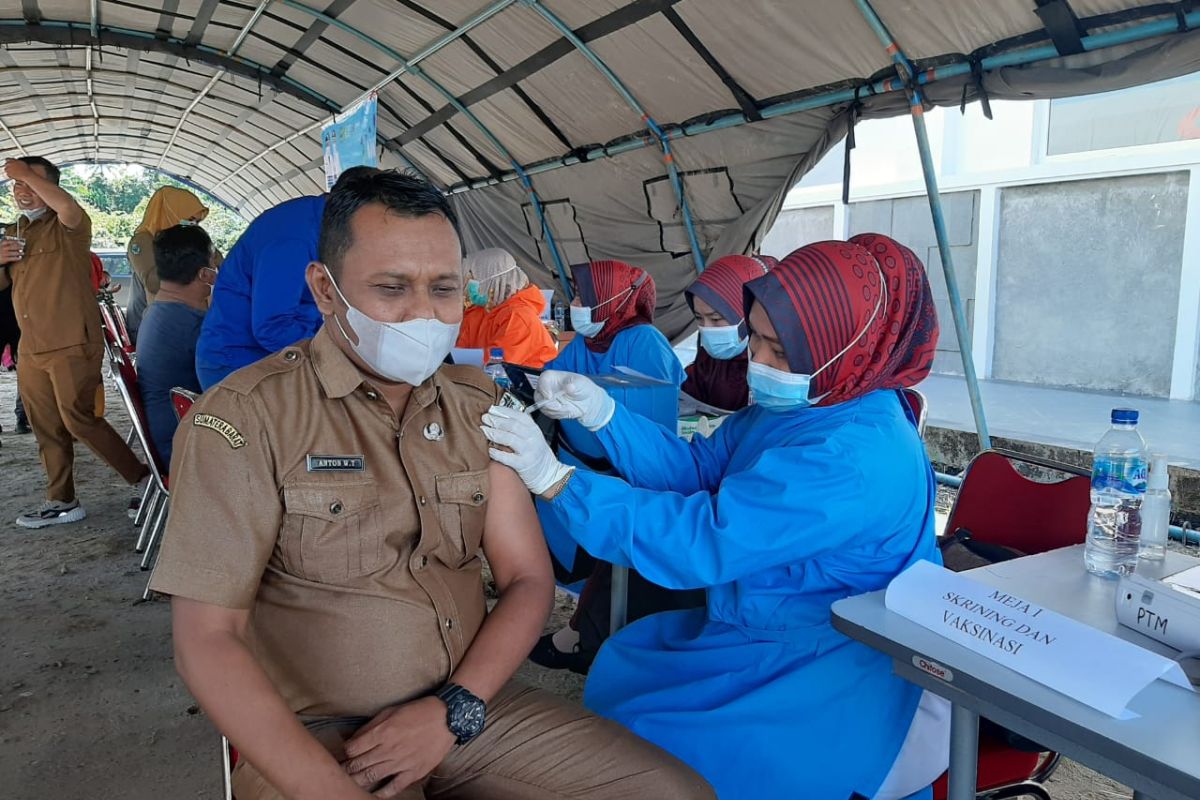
331,531
462,506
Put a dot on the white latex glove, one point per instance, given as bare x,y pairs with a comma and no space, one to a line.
531,458
569,396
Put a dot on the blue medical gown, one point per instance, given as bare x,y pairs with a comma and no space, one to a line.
781,514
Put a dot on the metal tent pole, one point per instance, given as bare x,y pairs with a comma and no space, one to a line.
905,71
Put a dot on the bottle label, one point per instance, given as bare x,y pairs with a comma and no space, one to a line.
1127,475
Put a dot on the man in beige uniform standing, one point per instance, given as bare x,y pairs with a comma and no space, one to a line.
330,505
45,258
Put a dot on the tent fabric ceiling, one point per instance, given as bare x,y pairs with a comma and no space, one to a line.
230,94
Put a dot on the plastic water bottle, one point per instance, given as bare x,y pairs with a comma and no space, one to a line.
560,317
1156,513
1118,489
495,368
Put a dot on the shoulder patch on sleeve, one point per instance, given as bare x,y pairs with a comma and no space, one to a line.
135,248
466,375
244,380
226,429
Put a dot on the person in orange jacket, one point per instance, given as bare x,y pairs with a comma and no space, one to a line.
504,310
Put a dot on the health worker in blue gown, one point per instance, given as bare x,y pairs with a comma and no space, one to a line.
820,490
613,318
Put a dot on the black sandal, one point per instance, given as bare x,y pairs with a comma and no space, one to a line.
545,654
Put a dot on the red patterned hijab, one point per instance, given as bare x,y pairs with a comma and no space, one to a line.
620,295
722,283
823,295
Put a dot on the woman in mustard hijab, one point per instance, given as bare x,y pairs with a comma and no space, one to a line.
168,207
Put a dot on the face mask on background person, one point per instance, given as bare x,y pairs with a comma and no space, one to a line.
475,295
723,342
581,322
404,352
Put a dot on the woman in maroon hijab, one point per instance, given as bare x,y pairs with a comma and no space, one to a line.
718,375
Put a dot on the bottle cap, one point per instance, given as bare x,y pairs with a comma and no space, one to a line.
498,352
1124,416
1160,479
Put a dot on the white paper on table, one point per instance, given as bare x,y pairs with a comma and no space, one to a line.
1188,580
467,355
1077,660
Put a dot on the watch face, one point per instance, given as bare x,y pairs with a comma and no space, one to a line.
467,718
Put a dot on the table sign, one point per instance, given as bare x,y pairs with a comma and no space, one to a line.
1093,667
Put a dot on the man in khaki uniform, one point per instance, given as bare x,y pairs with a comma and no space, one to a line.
330,505
58,371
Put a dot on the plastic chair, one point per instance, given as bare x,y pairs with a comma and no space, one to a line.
152,514
918,405
998,505
229,760
181,401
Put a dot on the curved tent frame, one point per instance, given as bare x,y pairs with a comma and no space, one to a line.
660,132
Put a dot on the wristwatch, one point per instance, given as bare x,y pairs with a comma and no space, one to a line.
464,712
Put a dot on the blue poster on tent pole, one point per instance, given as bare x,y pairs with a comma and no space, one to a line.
349,141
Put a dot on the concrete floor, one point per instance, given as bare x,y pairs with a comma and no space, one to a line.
1065,418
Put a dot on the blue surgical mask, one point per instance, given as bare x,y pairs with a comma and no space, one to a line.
475,296
581,321
724,342
34,214
776,390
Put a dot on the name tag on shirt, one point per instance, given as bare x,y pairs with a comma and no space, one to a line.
335,463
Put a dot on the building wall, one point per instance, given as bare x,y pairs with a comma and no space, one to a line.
1088,281
798,227
908,221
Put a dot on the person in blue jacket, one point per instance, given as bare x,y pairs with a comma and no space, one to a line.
613,318
821,489
612,315
261,303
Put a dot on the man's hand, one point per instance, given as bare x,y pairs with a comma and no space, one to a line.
404,743
11,250
16,170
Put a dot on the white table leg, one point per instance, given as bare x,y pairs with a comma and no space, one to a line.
964,753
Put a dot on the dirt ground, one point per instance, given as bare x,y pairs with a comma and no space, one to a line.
90,706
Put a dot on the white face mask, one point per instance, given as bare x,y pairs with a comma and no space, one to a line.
34,214
404,352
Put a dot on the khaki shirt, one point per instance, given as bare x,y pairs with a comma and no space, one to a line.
53,296
141,259
352,537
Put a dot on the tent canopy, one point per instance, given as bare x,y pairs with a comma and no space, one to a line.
546,118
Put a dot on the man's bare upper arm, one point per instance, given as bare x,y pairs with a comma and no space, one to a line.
194,619
512,535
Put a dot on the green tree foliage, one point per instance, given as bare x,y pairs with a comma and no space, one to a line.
115,197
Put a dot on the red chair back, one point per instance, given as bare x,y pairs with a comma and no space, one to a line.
182,400
125,376
115,331
999,505
919,407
